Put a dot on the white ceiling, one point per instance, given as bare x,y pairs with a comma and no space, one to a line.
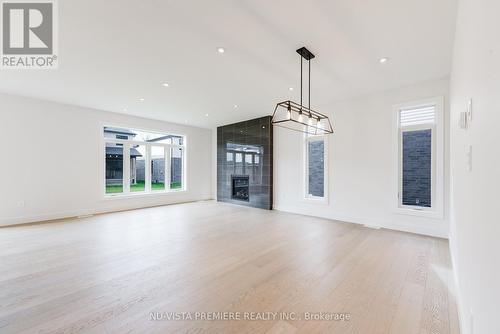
113,52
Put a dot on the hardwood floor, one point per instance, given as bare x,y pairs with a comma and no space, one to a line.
108,273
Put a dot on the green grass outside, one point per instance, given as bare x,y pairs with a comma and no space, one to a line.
140,186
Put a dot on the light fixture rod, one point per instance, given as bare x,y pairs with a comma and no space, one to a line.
309,99
307,55
301,80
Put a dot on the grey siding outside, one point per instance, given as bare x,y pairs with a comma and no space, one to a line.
316,152
176,172
158,168
417,168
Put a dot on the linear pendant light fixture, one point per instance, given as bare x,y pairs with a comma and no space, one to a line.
295,116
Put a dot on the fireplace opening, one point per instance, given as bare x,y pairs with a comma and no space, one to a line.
241,187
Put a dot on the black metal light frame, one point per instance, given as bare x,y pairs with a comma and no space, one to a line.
310,115
293,107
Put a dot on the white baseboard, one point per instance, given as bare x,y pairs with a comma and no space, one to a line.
458,292
82,213
425,230
372,226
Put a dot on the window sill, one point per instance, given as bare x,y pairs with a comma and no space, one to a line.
316,200
140,195
420,213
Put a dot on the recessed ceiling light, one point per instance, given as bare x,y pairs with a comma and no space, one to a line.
235,106
221,50
141,99
206,115
290,88
383,60
165,84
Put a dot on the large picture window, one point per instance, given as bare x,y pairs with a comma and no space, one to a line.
139,161
315,153
420,155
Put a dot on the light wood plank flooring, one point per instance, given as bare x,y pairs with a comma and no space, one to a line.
107,273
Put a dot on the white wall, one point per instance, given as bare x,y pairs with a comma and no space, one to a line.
51,161
361,169
475,222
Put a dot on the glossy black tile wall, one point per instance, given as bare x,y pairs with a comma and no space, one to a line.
246,149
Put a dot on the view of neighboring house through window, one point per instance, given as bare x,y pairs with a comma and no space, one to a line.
114,169
138,161
158,166
137,168
176,162
315,153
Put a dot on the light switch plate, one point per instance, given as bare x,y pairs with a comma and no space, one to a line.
469,111
468,157
463,120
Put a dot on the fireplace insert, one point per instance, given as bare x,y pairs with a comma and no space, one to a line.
241,187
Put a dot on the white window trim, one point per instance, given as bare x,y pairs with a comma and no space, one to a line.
306,197
437,197
126,164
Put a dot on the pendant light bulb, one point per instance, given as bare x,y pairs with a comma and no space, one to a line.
301,118
319,124
289,114
310,120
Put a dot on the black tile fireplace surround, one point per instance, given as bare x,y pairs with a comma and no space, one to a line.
244,163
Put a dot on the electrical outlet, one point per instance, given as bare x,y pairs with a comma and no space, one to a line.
21,204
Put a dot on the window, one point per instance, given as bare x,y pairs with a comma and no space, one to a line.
315,154
158,166
137,168
420,155
138,161
114,170
176,174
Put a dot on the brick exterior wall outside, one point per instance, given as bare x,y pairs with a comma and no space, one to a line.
316,161
417,168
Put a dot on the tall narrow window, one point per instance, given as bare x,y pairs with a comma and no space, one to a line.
114,169
138,161
176,168
419,159
158,168
315,153
137,168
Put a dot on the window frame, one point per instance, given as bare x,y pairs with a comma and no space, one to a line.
127,145
306,196
437,158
